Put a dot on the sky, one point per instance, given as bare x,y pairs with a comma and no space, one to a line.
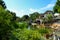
26,7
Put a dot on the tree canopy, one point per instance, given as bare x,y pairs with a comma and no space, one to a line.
57,7
34,15
2,3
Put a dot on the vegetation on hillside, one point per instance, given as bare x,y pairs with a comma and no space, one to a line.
16,28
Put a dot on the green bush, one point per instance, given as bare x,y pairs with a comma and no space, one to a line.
26,34
23,25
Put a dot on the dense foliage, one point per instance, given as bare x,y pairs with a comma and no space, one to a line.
48,18
57,7
2,3
34,15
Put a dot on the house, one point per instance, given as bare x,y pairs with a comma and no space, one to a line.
56,14
41,16
55,23
48,12
39,20
57,19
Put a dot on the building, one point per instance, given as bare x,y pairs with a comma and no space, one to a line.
56,14
48,12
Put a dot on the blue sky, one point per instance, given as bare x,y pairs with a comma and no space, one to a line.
26,7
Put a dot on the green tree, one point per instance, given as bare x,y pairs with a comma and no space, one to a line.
14,16
48,18
34,15
43,31
57,7
23,25
18,19
25,18
26,34
6,25
2,3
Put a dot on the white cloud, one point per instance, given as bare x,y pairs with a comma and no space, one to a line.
19,13
33,10
48,6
